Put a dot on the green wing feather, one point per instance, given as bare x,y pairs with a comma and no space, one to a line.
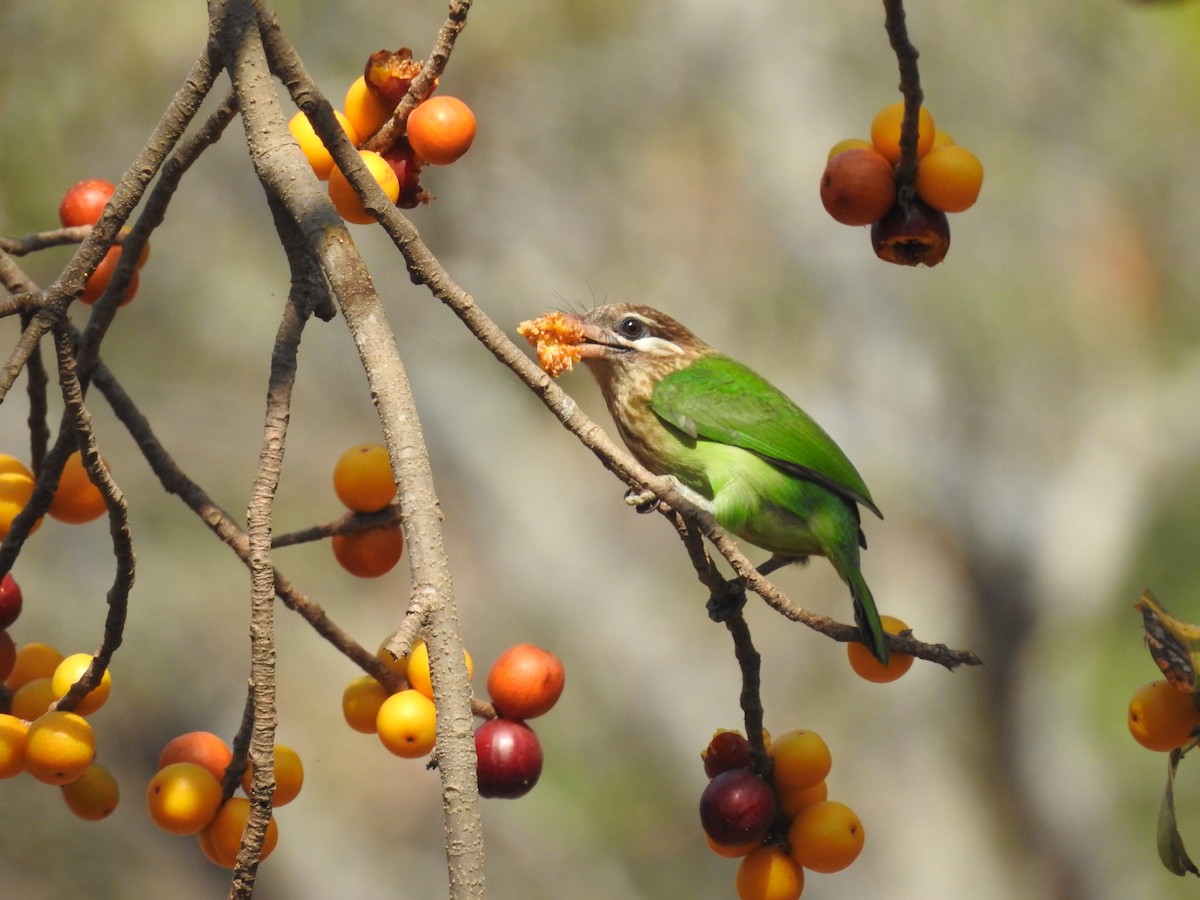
719,399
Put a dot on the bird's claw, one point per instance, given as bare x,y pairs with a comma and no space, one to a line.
778,561
642,501
722,606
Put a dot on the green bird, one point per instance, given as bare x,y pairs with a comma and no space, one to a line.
736,445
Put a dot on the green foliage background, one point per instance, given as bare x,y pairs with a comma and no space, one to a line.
1024,415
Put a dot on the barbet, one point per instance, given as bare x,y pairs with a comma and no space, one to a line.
737,445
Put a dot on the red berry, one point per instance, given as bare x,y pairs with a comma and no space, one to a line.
408,172
858,187
509,758
912,235
83,203
727,750
10,600
737,807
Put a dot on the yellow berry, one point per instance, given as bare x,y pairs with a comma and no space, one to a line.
417,669
76,499
949,178
16,487
94,795
183,797
222,838
848,144
801,760
314,151
1162,717
867,667
59,746
366,112
792,800
885,131
361,701
289,775
69,671
769,874
32,699
362,478
34,660
407,724
826,837
12,745
346,201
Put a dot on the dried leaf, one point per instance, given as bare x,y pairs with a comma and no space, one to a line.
1170,843
1174,644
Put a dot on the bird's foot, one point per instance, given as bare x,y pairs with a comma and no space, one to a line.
642,501
778,561
722,606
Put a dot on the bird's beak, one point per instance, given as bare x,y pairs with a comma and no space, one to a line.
597,342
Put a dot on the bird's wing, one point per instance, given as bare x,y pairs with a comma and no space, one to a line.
719,399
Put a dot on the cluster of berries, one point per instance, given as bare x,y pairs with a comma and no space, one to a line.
858,187
76,500
779,823
438,131
524,682
52,745
83,204
363,482
187,794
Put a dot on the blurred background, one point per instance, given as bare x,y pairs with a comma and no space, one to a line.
1025,415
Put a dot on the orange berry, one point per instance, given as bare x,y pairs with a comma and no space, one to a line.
417,668
826,837
864,663
12,745
940,139
34,660
76,499
370,553
98,281
314,151
525,681
362,478
801,760
858,187
848,144
203,748
366,112
222,838
361,701
792,800
949,178
407,724
885,131
33,698
183,797
16,487
769,874
84,202
441,129
398,664
59,746
69,671
347,202
1162,717
93,795
289,775
732,851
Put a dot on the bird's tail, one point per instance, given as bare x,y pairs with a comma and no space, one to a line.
867,616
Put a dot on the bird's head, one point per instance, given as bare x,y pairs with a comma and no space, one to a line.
621,340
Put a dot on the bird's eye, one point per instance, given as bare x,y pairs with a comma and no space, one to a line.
632,328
